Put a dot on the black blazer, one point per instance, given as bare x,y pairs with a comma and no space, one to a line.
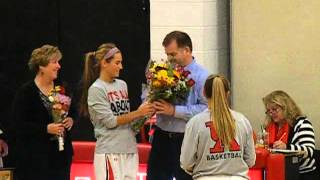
37,155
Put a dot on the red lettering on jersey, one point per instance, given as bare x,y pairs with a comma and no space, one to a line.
124,94
234,146
110,96
219,147
115,93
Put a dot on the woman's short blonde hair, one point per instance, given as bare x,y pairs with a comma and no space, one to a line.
42,56
290,109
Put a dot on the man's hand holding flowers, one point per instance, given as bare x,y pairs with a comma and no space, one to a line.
163,107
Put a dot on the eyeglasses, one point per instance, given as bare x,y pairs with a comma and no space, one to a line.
273,110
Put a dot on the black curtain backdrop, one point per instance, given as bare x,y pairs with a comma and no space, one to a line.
76,27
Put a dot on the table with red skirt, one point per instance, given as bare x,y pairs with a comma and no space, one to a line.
268,166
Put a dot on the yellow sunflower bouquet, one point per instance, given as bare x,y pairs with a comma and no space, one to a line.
167,81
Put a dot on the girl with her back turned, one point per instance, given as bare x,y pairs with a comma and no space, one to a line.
218,143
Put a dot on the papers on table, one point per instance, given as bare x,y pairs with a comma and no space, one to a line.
287,151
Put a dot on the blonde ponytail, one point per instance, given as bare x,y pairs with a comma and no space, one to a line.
92,72
216,90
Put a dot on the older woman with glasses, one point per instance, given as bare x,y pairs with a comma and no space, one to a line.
289,129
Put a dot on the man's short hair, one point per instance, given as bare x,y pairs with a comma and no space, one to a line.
183,39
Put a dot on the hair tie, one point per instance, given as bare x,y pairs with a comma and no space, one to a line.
93,57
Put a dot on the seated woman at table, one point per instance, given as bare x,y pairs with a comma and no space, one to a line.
218,142
289,129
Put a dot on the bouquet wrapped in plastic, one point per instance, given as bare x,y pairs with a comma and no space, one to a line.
167,81
60,104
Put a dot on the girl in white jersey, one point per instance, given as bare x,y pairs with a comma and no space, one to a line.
105,100
218,143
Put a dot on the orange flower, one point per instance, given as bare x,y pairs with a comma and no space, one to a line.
176,73
156,84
